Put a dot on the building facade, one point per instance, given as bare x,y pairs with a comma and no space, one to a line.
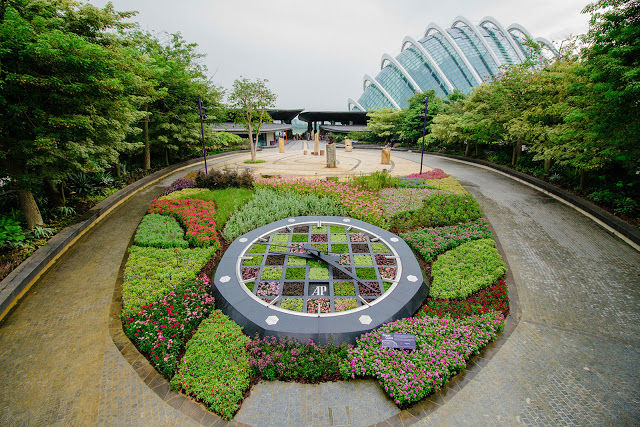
460,57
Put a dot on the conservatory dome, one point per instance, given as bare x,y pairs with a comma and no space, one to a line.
460,57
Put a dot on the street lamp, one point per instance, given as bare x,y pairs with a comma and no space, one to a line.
202,118
424,131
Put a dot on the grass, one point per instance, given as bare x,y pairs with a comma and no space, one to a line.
254,161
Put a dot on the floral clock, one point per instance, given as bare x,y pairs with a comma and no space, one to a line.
316,277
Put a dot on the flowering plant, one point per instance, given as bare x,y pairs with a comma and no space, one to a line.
195,215
361,204
161,328
442,347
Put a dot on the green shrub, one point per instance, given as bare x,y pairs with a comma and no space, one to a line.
295,273
318,273
339,248
366,273
160,231
293,304
269,205
466,269
255,260
362,260
215,367
271,273
150,272
10,232
295,260
344,289
439,210
300,238
216,179
339,238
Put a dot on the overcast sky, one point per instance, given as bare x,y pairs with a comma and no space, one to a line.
315,53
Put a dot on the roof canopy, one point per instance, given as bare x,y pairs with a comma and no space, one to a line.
344,117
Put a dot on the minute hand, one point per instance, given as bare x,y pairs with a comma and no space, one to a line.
329,260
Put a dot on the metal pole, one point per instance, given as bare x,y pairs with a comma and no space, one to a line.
202,117
424,131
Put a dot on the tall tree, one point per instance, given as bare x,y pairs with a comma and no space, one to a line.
172,123
251,99
412,123
384,122
70,90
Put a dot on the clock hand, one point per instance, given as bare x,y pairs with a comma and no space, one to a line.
298,254
329,260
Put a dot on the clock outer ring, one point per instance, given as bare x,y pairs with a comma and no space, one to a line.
256,318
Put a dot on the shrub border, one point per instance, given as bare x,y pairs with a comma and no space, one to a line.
17,283
610,222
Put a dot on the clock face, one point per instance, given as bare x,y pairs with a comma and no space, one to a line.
300,276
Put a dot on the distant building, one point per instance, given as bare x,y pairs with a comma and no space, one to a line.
461,57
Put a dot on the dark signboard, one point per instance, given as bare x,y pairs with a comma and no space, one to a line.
404,341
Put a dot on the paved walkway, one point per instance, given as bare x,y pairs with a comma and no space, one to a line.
573,358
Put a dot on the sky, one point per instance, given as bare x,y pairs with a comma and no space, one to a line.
314,54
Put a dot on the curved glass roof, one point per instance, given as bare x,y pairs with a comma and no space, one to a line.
459,57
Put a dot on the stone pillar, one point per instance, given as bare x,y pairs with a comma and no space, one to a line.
281,144
331,155
386,156
348,146
316,144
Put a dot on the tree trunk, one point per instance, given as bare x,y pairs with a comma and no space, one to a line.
547,164
147,147
517,151
583,179
118,171
467,151
56,198
29,208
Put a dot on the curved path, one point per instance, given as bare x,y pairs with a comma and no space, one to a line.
572,359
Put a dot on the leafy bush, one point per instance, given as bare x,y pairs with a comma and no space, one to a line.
293,304
161,328
269,205
217,179
495,297
179,184
442,347
439,210
466,269
360,204
160,231
397,200
11,233
285,359
196,216
344,289
150,272
430,242
40,232
344,304
215,367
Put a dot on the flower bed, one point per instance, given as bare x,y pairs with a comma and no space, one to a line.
316,305
442,347
160,231
361,204
161,328
215,367
430,242
466,269
195,215
179,184
494,297
439,210
397,200
150,272
432,174
285,359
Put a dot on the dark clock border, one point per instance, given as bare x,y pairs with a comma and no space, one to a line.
402,302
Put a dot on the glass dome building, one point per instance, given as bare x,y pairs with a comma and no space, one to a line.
460,57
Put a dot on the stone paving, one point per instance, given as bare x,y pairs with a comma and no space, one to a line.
573,358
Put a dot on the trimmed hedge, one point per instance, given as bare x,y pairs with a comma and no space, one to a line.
160,231
466,269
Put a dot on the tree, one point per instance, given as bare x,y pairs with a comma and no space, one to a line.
412,124
172,122
252,98
70,91
384,122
